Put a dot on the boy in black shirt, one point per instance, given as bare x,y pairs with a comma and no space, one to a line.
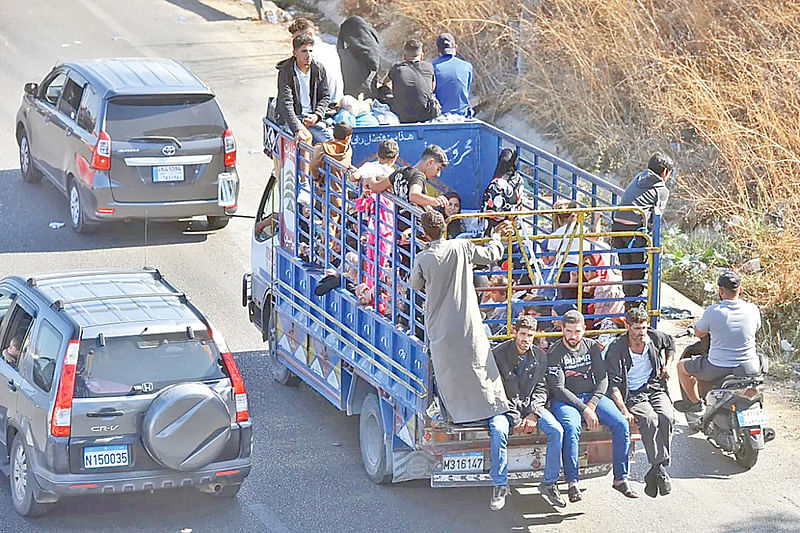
577,380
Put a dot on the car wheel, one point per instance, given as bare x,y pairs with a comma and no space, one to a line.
278,370
77,217
21,481
29,172
215,222
372,441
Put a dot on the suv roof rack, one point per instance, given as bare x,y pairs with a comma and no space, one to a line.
34,281
59,305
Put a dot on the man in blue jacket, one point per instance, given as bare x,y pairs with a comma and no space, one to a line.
453,78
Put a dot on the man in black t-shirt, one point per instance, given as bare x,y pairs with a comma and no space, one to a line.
413,83
577,380
410,183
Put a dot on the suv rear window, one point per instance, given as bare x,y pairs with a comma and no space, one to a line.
128,365
184,117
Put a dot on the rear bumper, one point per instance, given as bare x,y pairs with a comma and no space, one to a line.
159,210
222,473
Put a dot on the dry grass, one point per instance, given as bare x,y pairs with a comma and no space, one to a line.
715,81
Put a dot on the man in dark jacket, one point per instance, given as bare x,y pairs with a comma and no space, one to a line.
523,367
303,97
359,52
647,191
577,380
638,368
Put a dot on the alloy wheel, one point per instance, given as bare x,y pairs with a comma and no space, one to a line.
20,474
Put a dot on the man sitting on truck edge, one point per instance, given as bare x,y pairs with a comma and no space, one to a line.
326,54
413,83
647,191
453,77
732,324
578,382
467,378
638,369
303,97
523,367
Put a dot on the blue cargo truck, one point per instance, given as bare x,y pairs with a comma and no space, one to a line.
366,352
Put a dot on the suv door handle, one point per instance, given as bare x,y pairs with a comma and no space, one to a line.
12,385
105,413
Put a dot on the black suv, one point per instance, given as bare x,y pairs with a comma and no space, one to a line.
113,382
129,139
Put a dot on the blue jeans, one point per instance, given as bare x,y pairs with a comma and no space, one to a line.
609,416
320,132
499,428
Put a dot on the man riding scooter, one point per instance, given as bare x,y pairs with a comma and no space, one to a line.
732,325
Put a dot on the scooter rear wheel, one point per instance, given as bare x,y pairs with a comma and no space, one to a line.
746,456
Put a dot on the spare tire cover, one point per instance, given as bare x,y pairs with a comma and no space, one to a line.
186,426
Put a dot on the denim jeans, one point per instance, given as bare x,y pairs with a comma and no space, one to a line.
608,414
499,428
320,132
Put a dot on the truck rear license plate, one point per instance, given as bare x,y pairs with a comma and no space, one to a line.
167,173
755,416
462,462
105,456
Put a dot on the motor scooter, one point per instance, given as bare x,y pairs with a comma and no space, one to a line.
734,419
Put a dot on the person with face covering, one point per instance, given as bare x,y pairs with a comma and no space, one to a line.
359,53
504,192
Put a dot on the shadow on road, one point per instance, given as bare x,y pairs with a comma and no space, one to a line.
704,460
208,13
29,209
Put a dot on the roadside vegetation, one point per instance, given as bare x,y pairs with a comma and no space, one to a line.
714,83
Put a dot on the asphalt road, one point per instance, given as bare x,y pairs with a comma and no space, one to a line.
307,475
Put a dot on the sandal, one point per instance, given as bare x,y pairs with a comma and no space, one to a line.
574,494
625,489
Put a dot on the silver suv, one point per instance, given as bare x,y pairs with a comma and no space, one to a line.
129,139
113,382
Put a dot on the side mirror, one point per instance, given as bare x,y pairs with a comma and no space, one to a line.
31,88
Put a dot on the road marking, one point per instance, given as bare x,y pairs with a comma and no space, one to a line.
268,518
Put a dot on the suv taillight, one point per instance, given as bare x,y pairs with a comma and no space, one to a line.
229,142
239,393
101,157
62,412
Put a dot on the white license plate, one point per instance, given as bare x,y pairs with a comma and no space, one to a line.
755,416
167,173
106,456
226,190
462,462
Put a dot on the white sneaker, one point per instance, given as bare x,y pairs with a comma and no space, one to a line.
498,500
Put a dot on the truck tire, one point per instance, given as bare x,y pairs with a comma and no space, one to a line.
21,481
746,456
278,370
372,441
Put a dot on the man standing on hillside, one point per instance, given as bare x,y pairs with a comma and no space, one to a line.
453,78
413,84
647,191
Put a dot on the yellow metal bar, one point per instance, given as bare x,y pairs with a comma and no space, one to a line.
521,243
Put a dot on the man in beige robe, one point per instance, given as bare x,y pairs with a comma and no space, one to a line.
467,378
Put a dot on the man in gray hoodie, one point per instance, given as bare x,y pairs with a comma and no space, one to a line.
647,191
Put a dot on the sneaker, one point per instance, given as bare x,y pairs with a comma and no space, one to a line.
550,493
685,406
498,500
574,494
